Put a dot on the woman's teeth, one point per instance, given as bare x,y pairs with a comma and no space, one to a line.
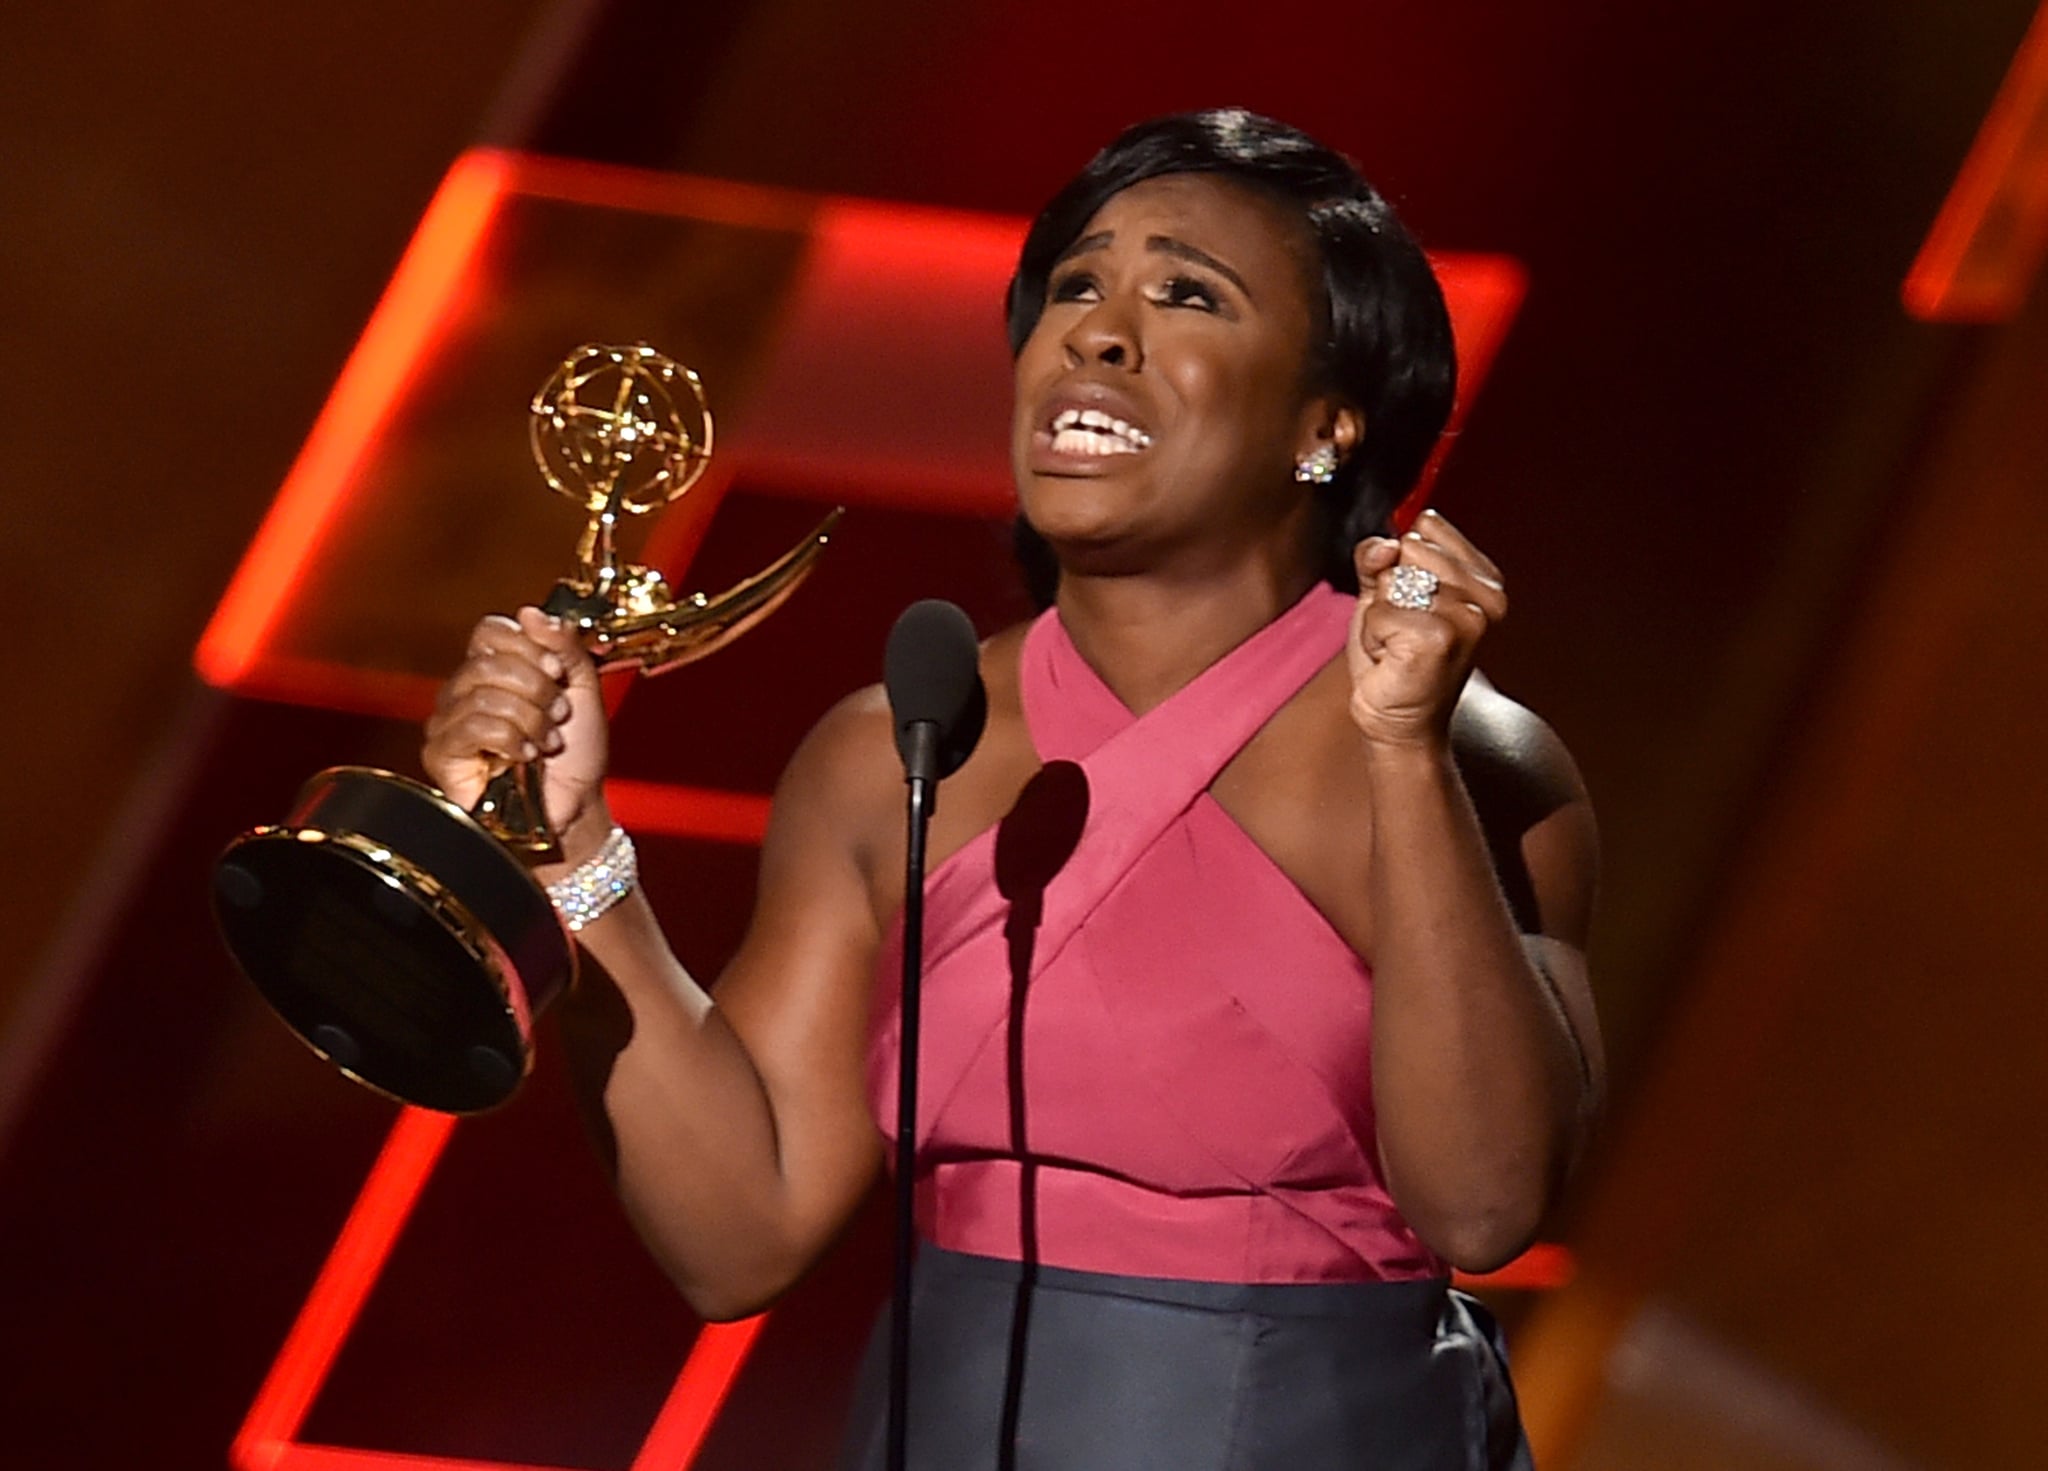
1092,432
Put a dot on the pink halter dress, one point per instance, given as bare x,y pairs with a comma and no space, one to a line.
1149,1055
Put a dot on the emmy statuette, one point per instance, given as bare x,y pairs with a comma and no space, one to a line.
403,938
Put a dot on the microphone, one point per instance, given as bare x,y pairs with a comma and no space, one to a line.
932,671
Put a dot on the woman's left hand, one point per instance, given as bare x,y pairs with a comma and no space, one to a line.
1408,664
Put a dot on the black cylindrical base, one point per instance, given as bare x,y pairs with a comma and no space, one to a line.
398,938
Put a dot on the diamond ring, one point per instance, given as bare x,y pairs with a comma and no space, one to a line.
1412,587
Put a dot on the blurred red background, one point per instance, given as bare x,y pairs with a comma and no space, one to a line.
1773,541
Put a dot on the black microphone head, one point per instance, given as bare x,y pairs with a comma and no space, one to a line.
932,671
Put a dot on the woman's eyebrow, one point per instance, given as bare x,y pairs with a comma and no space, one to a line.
1181,250
1086,243
1162,245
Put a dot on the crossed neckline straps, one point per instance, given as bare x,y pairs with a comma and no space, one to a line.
1143,771
1073,714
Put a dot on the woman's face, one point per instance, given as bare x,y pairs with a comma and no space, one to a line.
1163,398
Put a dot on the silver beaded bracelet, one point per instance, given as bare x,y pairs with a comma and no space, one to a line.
596,885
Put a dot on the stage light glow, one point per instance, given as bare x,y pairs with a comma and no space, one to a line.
424,289
692,1406
1986,245
1482,293
388,1196
266,1440
687,812
1542,1268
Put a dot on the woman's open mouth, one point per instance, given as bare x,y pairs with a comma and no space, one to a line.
1091,433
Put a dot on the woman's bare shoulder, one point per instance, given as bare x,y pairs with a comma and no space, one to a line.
847,772
846,766
853,744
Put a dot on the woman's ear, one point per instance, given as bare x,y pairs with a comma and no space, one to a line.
1347,427
1336,423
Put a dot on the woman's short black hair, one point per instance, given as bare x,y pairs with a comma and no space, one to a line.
1387,345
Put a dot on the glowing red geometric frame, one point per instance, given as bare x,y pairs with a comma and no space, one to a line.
235,653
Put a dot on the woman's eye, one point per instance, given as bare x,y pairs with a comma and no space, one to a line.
1077,287
1188,291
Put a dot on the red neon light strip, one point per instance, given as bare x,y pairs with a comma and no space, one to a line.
265,1441
1544,1267
692,1406
326,684
407,320
1487,291
649,191
688,812
1986,244
401,329
348,1458
393,1186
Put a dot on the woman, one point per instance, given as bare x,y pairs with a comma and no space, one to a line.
1256,996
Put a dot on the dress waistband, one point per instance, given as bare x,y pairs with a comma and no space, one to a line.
1097,1222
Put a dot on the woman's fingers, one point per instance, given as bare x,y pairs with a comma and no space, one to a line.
561,652
1436,529
1459,582
505,703
509,676
503,675
1463,572
492,706
1409,662
1372,556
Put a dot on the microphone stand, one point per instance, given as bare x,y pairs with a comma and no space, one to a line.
921,773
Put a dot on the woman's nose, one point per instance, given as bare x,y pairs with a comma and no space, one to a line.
1105,335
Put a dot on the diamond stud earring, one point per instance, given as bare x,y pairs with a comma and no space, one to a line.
1318,467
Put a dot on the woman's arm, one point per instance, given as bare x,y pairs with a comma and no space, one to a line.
1487,1066
736,1127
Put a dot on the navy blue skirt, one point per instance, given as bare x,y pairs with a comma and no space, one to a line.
1047,1369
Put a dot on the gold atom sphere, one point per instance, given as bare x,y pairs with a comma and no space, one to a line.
620,429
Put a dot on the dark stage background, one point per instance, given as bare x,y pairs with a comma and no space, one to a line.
1774,542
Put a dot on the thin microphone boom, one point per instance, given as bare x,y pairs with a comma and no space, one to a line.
932,672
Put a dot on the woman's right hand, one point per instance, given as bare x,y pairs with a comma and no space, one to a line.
527,690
